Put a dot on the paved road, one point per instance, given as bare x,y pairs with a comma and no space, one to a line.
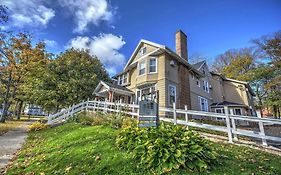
10,142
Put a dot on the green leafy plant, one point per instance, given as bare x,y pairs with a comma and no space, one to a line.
167,147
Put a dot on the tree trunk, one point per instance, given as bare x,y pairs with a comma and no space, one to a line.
18,109
6,100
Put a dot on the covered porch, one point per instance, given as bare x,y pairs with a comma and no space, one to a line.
113,93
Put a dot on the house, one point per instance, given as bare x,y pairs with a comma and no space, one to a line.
154,67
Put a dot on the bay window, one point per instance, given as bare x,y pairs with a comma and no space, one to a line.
142,67
152,65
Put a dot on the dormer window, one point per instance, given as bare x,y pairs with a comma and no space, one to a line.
120,80
125,78
203,70
143,50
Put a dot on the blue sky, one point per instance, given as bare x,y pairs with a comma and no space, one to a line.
112,29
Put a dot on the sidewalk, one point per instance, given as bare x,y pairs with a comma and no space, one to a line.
10,142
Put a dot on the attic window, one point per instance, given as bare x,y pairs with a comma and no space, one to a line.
203,70
143,50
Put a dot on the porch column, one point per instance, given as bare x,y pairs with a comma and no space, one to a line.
110,96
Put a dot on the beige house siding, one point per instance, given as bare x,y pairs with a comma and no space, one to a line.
235,94
217,89
149,49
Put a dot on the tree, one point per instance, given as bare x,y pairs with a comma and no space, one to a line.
68,79
270,47
16,56
236,64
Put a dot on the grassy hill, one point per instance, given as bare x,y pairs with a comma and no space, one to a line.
76,149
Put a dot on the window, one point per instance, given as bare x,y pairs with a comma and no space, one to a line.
145,92
152,65
142,68
197,82
203,104
125,78
143,50
220,110
203,70
206,86
120,80
172,94
192,75
237,111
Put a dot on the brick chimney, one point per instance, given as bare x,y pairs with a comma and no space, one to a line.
181,44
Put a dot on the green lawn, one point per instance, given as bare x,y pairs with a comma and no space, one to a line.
77,149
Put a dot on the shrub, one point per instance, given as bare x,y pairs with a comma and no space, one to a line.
129,122
167,147
37,126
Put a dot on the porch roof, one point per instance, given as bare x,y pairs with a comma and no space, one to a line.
112,87
226,103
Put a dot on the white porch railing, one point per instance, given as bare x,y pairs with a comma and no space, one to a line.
132,109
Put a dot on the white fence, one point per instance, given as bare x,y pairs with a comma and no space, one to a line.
132,109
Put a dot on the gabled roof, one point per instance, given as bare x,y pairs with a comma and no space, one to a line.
113,87
161,48
142,41
236,81
199,64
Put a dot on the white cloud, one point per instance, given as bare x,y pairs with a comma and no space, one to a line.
50,43
105,46
88,12
28,13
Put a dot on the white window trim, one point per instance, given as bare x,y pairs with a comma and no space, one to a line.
142,49
156,67
206,86
207,105
140,90
197,79
169,94
239,109
219,109
144,60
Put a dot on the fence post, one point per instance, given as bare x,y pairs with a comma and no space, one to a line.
186,115
87,105
104,106
262,133
138,110
72,110
174,113
49,118
133,109
228,124
233,126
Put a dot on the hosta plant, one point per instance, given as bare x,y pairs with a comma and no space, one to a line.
167,147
